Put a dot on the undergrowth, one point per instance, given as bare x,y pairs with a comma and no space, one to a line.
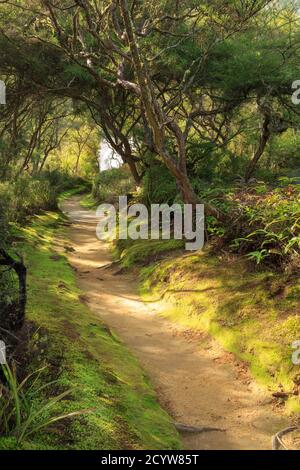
263,223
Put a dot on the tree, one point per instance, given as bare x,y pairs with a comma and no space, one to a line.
156,74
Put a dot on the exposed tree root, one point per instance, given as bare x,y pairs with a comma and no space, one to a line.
277,438
195,429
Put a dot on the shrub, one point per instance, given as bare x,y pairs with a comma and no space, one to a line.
110,184
267,224
31,195
5,199
261,222
28,195
9,299
159,186
25,196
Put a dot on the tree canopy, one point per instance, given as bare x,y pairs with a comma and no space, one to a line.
159,79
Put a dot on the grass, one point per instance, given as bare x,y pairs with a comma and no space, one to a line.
134,252
82,355
19,414
253,314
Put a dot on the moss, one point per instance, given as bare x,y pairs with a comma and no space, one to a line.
105,379
8,443
131,253
88,202
81,189
253,314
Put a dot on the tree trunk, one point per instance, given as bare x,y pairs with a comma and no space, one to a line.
133,169
264,138
77,164
158,121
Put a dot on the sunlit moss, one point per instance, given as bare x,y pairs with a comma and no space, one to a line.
253,314
105,378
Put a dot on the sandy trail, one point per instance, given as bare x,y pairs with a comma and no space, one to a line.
195,384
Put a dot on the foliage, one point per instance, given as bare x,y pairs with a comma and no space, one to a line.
77,155
8,296
110,184
284,153
28,195
195,97
19,415
18,200
268,222
83,355
158,186
206,95
262,220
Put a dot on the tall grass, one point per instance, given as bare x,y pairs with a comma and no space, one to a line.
21,415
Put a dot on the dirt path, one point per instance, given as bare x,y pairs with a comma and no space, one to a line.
199,386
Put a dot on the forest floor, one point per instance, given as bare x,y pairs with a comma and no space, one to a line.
197,382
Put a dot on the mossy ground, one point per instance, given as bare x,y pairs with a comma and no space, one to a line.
84,356
252,313
142,252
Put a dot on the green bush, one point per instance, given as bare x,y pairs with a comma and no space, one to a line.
28,195
5,198
261,221
62,180
283,152
267,225
110,184
158,186
19,199
31,195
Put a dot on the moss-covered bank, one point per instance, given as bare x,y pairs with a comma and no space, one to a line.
252,313
81,354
